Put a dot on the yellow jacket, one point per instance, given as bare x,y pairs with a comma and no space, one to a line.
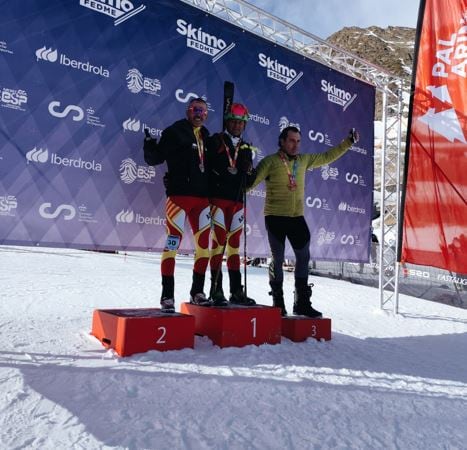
280,201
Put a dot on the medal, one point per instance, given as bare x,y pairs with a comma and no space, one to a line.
292,186
200,147
232,161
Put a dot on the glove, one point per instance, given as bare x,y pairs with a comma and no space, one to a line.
244,162
354,135
150,144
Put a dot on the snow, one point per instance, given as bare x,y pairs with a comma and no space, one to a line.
383,381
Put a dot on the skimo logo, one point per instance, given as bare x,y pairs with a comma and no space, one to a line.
345,207
201,41
39,155
47,54
75,110
354,178
131,125
130,172
121,10
185,98
329,173
136,83
337,95
7,204
284,123
125,216
279,72
68,211
320,137
13,98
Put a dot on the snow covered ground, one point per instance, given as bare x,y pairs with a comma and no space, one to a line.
383,381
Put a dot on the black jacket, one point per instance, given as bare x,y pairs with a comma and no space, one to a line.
178,148
222,183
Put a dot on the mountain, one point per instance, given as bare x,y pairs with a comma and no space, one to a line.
391,48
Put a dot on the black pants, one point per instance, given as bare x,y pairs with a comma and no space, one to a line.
295,229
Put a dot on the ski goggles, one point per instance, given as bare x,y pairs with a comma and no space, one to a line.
198,111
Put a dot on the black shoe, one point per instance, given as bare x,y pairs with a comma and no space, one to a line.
200,299
167,305
239,298
218,299
307,310
278,300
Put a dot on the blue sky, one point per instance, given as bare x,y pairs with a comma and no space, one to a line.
324,17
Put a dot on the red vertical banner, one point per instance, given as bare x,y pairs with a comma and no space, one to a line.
434,209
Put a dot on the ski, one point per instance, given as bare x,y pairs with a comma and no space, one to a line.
229,89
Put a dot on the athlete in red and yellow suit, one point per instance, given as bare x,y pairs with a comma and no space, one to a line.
230,160
183,147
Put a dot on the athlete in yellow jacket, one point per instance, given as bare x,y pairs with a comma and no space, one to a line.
284,172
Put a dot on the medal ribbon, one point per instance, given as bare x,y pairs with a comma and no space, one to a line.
199,144
232,162
292,175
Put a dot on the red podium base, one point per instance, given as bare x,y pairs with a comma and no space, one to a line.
236,326
130,331
300,328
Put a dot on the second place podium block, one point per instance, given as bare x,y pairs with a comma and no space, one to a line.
129,331
236,326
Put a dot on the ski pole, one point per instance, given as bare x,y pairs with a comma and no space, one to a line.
244,234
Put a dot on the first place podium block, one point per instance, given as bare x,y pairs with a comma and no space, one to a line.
300,328
236,326
129,331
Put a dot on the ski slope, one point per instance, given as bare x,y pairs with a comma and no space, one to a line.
383,381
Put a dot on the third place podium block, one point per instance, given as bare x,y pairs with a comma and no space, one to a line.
300,328
236,326
130,331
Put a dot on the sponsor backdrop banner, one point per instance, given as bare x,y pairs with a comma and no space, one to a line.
82,79
435,208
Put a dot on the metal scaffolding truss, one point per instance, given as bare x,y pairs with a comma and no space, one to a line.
252,19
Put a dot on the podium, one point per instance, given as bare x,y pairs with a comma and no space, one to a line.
130,331
235,325
300,328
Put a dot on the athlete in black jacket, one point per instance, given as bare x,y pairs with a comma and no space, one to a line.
183,147
230,163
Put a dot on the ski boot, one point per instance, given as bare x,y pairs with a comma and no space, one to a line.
216,293
278,298
302,305
167,297
197,296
